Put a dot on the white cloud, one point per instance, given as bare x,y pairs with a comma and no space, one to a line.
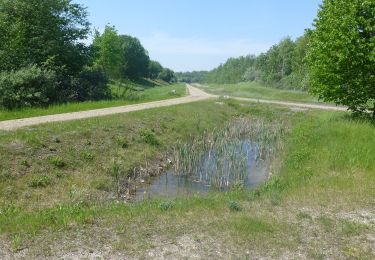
180,53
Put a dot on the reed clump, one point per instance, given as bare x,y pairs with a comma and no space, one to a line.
224,157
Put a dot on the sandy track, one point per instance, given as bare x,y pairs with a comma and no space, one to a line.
292,104
195,94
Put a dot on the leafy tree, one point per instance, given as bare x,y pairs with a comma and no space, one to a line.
108,51
42,53
135,58
35,31
167,75
154,69
341,56
190,77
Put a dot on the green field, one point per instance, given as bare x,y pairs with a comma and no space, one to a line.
57,190
259,91
139,94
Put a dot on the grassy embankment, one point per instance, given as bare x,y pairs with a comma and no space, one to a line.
56,186
139,94
259,91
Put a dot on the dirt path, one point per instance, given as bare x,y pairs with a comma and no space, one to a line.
292,104
195,94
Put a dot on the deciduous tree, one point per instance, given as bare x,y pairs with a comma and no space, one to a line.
342,54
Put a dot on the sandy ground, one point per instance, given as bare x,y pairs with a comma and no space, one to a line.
195,94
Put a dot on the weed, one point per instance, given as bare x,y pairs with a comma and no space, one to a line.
56,140
60,175
41,181
102,184
25,163
350,228
87,156
234,206
327,223
16,243
57,161
116,172
149,137
304,215
247,226
122,142
166,205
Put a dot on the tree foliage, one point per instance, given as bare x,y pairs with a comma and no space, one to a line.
124,57
135,58
154,69
282,66
342,53
44,38
35,31
167,75
191,77
108,51
27,87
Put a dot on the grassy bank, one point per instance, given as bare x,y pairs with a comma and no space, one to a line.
256,90
139,94
319,204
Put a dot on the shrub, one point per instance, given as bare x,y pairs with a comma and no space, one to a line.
27,87
149,137
166,205
57,161
87,156
40,181
122,141
234,206
92,84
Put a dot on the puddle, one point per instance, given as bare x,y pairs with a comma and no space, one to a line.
215,170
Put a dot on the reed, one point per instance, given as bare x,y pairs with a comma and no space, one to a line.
222,158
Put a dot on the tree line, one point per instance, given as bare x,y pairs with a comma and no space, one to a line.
282,66
44,58
335,60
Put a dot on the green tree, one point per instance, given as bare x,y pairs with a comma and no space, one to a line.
135,58
108,52
167,75
341,56
154,69
36,32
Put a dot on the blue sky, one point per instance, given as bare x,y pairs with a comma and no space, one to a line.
187,35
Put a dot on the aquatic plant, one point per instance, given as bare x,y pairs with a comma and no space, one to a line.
222,158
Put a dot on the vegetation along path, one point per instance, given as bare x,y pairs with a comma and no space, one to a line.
195,94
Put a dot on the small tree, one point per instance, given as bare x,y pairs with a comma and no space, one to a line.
135,58
341,54
108,51
167,75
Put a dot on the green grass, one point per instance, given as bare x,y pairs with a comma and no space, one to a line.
312,207
256,90
142,94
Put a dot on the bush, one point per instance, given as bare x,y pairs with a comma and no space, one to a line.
27,87
57,161
149,137
234,206
166,205
92,84
41,181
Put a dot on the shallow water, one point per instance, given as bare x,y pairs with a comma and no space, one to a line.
170,184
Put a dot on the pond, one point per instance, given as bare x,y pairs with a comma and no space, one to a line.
216,169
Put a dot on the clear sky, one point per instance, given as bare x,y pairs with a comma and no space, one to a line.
187,35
